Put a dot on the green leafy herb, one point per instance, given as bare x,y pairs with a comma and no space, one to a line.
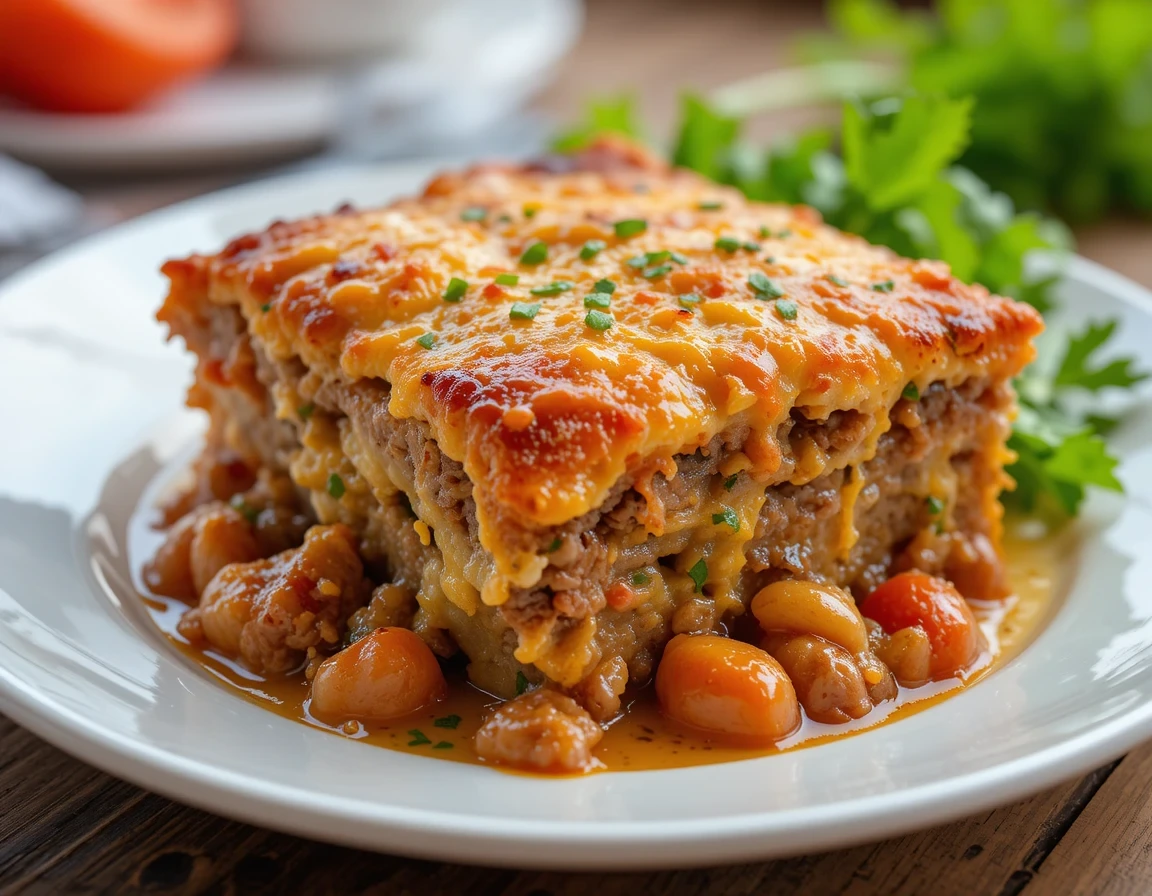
336,486
554,545
751,246
455,290
727,517
536,253
552,289
730,481
266,307
245,509
640,578
910,392
656,272
305,410
935,505
426,341
1079,368
727,243
786,309
419,738
474,213
630,227
763,287
611,115
710,205
507,279
688,300
678,257
637,261
592,248
451,721
699,574
522,683
598,320
765,233
606,286
597,300
523,310
884,286
530,211
443,745
836,281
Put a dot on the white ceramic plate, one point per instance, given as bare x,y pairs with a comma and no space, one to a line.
91,409
471,66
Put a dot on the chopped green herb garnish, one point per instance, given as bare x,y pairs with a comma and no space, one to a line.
592,248
678,257
456,289
657,257
727,517
598,320
419,738
443,745
637,261
699,574
245,509
505,218
658,271
911,392
523,310
770,259
604,286
530,211
555,545
839,281
752,246
474,213
451,721
552,289
427,340
710,205
784,234
336,486
727,243
688,299
884,286
630,227
730,482
266,307
535,253
507,279
522,683
763,287
935,505
786,309
305,410
764,232
640,578
597,300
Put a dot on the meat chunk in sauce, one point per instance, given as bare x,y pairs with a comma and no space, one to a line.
542,731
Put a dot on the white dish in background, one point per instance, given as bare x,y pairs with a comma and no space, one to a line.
93,409
470,66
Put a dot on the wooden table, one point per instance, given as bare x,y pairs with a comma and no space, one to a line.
65,827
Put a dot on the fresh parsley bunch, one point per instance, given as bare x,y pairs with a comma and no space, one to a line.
894,183
1062,89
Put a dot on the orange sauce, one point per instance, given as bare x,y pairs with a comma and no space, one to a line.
641,738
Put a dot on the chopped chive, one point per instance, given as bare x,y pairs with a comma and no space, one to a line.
245,509
266,307
730,482
555,545
935,505
727,243
752,246
474,213
456,289
770,259
443,745
507,279
336,486
427,340
884,286
630,227
728,518
658,271
763,287
522,683
699,574
530,211
710,205
839,281
448,721
505,218
305,410
786,309
911,392
598,320
419,738
637,261
688,299
597,300
535,253
764,232
592,248
678,257
551,289
604,286
639,578
523,310
784,234
657,257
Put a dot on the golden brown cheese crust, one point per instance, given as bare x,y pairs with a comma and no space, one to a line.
547,414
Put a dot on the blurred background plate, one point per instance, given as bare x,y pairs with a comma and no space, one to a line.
468,66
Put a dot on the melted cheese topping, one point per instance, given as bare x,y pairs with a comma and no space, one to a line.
547,414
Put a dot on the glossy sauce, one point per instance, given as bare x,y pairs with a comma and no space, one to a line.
641,738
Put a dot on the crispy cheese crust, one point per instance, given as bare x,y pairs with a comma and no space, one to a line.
728,319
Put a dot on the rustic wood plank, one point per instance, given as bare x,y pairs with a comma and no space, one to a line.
1109,848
